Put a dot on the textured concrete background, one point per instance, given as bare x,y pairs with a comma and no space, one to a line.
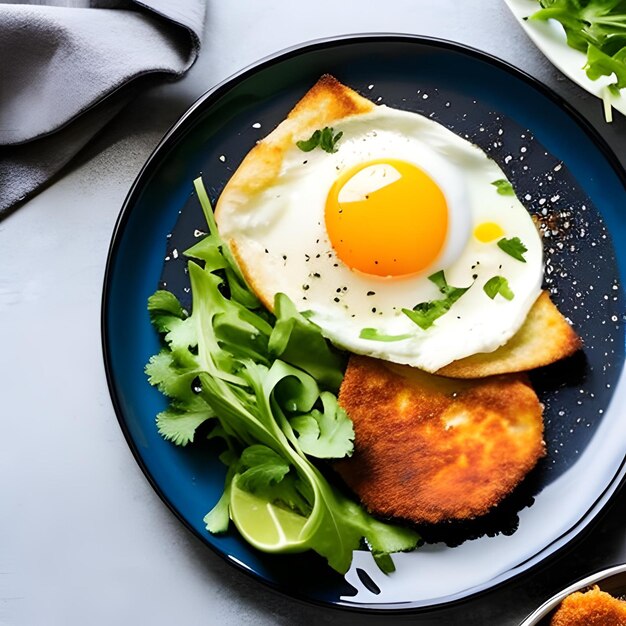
83,537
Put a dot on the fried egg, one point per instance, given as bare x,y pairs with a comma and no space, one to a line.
357,237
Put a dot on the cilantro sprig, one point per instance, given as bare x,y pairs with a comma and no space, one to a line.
513,247
425,314
324,138
498,285
264,384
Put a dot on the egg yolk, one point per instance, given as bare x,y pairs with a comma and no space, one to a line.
488,231
387,218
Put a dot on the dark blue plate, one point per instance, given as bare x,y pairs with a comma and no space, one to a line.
565,175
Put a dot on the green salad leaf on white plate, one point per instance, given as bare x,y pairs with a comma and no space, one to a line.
595,30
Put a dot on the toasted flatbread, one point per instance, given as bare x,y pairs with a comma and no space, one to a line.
545,337
429,448
325,103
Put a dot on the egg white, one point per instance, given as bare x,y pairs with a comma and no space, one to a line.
282,231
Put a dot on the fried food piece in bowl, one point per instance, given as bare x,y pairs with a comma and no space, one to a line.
590,608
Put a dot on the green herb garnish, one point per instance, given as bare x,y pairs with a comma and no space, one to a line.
596,28
503,187
264,384
513,247
424,314
498,285
323,138
375,335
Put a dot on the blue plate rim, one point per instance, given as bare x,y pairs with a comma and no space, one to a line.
576,532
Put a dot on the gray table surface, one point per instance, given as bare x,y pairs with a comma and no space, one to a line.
83,537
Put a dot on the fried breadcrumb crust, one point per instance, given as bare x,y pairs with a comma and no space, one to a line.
545,337
591,608
428,448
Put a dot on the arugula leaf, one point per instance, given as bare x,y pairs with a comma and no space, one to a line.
424,314
567,12
601,64
498,285
513,247
298,341
373,334
384,562
264,385
323,138
596,28
503,187
292,388
217,520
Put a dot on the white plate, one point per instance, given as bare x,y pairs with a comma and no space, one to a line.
549,37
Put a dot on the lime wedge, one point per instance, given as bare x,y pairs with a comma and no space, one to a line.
264,525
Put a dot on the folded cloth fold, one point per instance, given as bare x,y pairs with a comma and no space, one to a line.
65,71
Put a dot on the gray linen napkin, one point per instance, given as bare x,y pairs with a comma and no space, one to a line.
68,67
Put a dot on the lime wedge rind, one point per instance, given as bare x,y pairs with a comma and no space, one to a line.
265,525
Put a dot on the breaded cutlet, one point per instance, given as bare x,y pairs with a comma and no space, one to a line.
429,448
590,608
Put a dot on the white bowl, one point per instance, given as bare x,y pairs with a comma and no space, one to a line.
611,580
